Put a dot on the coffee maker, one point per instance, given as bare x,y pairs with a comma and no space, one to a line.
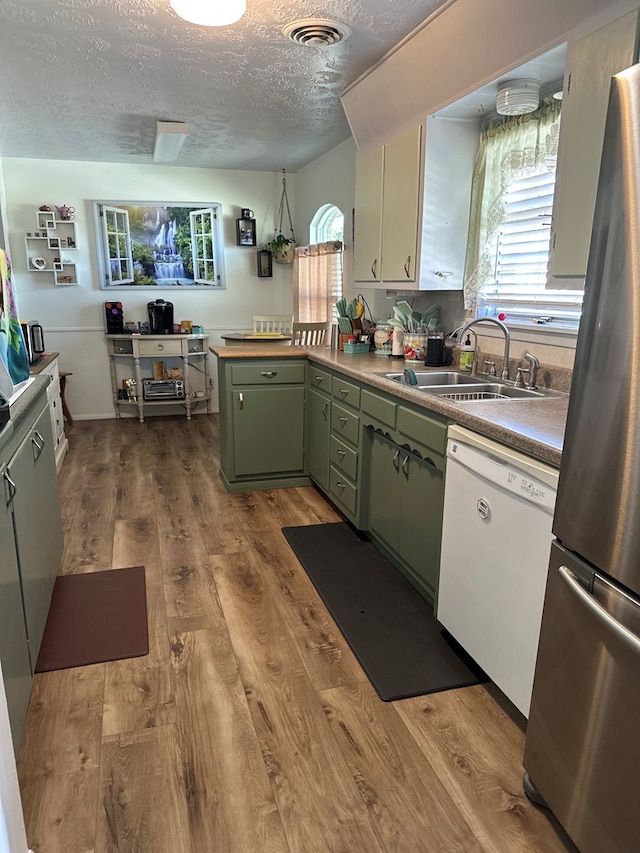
160,317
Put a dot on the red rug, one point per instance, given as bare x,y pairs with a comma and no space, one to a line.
95,617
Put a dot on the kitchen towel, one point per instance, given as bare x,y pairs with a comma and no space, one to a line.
95,617
390,627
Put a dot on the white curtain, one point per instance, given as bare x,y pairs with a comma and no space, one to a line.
510,148
317,281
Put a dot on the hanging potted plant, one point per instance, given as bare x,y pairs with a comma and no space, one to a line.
281,247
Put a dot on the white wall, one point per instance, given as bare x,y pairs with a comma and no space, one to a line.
73,317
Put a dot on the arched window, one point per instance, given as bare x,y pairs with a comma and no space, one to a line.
327,224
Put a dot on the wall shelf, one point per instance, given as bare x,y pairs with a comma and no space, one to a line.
51,248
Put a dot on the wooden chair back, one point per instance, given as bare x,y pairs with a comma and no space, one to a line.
309,334
273,323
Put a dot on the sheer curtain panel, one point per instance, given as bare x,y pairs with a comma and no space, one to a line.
317,281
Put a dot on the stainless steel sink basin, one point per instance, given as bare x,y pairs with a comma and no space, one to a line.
436,378
493,391
463,388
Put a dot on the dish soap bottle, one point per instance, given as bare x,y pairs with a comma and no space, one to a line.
467,355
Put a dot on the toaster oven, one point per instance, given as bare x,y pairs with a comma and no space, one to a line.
163,389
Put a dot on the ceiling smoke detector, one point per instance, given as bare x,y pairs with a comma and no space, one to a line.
316,32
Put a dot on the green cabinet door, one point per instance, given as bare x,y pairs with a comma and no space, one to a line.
406,494
268,430
318,431
38,525
421,520
14,651
385,490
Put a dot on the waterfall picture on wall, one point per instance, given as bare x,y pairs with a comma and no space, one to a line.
160,245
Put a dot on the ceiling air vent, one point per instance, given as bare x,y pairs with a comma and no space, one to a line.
315,32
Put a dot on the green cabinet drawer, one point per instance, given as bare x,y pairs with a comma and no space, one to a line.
345,424
346,392
378,407
422,429
343,490
319,379
343,457
268,373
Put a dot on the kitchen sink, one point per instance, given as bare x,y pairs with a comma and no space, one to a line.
435,378
463,388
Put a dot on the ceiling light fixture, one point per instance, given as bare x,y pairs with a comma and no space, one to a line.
210,13
170,137
518,97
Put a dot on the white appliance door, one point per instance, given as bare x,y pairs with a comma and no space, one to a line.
496,540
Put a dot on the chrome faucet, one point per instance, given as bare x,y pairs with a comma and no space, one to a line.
534,364
507,340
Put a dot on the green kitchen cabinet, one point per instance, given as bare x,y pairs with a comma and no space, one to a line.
318,415
406,493
31,542
262,423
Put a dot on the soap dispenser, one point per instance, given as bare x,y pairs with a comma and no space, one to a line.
467,355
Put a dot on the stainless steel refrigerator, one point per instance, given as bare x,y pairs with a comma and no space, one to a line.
582,753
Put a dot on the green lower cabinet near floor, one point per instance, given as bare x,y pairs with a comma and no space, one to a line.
405,501
268,430
318,417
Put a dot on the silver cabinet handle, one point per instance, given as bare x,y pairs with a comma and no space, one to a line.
325,409
12,487
405,466
269,373
160,346
341,453
342,419
396,464
340,485
616,628
407,266
344,393
38,443
241,399
317,379
374,267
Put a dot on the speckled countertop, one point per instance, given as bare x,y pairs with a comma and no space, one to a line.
22,405
535,427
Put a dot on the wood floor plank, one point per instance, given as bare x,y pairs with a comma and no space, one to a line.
404,796
470,745
318,801
89,541
230,802
324,652
140,692
135,543
59,758
143,799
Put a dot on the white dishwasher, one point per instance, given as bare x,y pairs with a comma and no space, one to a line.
496,539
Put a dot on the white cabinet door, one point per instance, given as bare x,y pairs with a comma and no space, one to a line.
368,219
400,206
592,61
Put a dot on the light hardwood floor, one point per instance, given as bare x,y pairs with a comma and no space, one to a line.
250,726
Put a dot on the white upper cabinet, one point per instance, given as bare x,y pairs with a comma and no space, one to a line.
367,245
592,61
400,207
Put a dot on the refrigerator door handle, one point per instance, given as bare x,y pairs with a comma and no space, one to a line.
617,629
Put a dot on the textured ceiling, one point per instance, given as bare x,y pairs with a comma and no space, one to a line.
87,79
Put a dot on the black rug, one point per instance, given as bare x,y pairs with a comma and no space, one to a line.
388,624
